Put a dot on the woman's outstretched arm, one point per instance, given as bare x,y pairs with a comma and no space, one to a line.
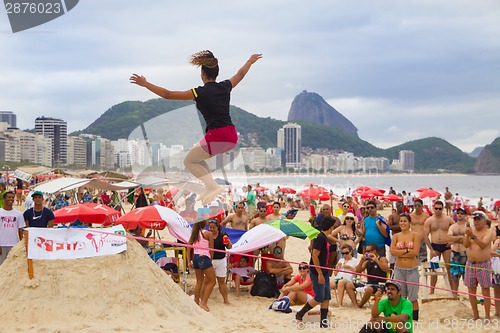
160,91
244,70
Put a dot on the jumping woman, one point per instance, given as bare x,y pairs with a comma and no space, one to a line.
212,100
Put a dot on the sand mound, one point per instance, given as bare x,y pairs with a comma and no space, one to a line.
125,293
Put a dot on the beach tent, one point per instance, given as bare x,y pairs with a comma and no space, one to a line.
70,183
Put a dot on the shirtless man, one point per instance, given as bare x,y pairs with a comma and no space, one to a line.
448,200
456,236
478,267
283,270
261,218
437,227
418,218
276,212
238,219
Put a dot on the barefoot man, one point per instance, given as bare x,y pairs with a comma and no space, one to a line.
437,227
418,218
238,219
456,236
478,268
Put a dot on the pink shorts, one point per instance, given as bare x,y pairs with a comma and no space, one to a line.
219,140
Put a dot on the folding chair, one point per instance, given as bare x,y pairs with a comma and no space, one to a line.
234,261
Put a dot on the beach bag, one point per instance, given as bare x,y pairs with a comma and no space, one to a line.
387,239
281,305
264,285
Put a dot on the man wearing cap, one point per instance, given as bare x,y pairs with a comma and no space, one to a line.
215,212
238,219
478,267
396,309
39,216
11,226
456,236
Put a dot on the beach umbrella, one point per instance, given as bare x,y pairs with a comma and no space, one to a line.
295,228
392,198
260,189
422,189
87,213
497,203
362,188
429,194
370,194
287,190
157,217
324,196
257,238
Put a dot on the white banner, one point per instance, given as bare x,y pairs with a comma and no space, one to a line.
74,243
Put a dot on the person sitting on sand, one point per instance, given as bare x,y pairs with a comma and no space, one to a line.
281,269
243,273
299,289
396,309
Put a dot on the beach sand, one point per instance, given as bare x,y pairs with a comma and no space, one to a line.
129,293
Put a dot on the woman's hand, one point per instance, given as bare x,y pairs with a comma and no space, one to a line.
138,79
255,57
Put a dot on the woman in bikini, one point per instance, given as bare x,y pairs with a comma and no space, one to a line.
405,246
346,233
212,100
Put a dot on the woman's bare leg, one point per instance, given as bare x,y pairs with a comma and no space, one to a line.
196,164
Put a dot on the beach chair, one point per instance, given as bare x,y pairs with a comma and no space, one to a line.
264,257
234,261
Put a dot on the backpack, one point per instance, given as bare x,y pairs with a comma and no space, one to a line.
387,239
264,285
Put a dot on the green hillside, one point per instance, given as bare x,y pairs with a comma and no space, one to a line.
121,120
434,154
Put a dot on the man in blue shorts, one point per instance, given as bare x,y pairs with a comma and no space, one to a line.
320,277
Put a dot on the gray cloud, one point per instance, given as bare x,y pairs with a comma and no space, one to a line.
398,70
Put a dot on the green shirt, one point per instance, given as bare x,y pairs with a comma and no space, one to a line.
2,198
403,307
251,198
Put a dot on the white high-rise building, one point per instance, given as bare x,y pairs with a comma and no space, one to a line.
57,130
407,160
292,144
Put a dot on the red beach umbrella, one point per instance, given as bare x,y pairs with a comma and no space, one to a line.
392,198
422,189
287,190
87,213
147,217
260,189
429,194
362,188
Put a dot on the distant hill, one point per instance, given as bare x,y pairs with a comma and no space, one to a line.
434,154
431,154
475,153
488,160
311,107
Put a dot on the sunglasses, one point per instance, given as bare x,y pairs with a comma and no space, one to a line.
277,251
350,218
461,213
436,208
418,205
303,268
344,253
346,206
370,207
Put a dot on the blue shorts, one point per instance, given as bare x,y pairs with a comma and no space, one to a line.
321,291
201,262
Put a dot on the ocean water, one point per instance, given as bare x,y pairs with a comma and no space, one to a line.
468,186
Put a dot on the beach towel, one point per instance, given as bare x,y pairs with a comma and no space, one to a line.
281,305
387,240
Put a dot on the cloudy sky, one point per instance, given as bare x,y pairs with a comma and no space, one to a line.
399,70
